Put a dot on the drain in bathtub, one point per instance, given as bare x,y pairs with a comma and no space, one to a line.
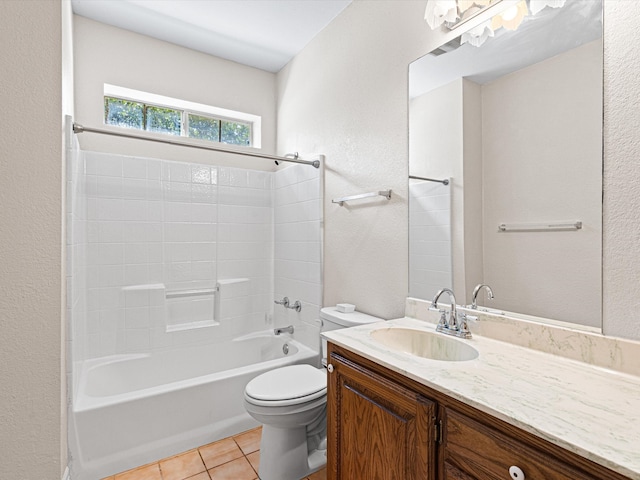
285,349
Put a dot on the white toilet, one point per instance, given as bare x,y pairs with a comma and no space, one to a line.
291,404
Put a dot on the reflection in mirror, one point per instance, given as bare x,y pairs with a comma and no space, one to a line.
516,125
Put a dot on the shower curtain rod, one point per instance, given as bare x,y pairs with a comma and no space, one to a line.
444,182
290,157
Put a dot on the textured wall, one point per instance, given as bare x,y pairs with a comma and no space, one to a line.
621,240
31,264
345,95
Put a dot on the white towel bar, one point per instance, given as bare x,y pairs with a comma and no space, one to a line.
382,193
532,227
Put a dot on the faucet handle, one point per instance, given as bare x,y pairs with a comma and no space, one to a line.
443,315
284,301
471,318
297,306
463,325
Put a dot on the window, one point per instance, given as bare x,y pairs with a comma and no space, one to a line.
123,113
205,128
143,111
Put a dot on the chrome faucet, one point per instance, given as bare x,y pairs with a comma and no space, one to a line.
278,331
453,318
456,324
474,296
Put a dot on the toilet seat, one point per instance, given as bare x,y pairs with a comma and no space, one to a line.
291,385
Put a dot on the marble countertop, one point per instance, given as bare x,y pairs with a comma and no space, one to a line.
591,411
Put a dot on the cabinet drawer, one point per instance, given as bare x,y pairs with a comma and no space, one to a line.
486,454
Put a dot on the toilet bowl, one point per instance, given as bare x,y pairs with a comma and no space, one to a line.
291,404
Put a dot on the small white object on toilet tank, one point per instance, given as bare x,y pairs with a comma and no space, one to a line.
345,307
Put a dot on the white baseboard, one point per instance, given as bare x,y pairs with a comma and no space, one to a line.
65,475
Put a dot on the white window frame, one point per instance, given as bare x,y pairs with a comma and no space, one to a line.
255,121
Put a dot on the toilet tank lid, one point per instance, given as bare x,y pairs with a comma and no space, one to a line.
347,319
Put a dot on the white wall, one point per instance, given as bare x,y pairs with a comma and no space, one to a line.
345,95
542,163
473,189
32,436
621,239
106,54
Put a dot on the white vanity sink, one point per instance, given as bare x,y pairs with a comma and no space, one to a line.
425,344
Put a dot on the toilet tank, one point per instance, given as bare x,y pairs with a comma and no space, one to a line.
332,319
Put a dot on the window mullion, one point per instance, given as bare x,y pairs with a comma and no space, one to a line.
185,124
144,116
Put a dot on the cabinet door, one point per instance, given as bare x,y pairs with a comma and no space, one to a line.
377,429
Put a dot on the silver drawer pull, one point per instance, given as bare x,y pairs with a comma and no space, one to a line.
330,368
516,473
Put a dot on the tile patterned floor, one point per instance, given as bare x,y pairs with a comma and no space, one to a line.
232,458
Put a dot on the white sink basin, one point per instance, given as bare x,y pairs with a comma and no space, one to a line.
425,344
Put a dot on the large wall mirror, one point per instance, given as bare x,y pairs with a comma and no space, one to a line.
515,124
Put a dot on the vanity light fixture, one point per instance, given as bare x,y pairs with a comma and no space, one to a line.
455,13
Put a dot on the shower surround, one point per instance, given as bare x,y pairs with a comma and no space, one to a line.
168,258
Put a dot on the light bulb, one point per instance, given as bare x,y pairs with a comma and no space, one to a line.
510,18
510,13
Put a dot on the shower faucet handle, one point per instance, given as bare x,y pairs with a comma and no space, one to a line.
284,301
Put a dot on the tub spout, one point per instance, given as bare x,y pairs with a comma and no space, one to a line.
280,330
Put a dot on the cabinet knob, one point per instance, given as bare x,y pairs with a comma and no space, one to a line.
516,473
330,370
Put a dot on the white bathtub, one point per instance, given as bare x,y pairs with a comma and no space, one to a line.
130,410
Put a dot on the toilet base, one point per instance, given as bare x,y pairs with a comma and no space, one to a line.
284,455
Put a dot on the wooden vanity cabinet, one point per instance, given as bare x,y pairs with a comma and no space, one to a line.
385,426
377,429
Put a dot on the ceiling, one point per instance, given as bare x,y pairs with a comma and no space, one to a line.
265,34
